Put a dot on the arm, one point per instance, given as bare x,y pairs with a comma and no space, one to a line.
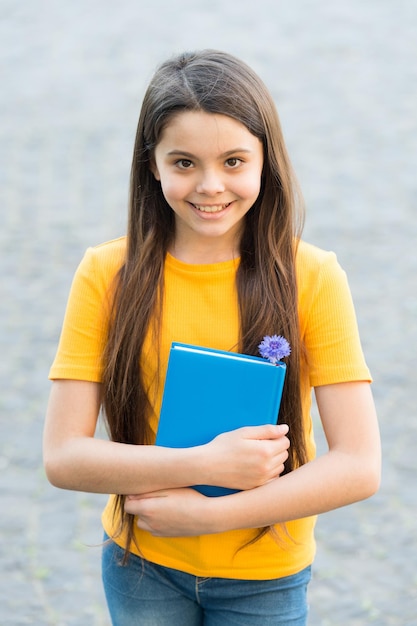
74,459
348,472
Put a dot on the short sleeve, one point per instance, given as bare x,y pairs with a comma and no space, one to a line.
328,321
84,332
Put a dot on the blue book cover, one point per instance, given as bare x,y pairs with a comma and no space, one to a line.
208,392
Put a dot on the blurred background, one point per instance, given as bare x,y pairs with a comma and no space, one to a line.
344,78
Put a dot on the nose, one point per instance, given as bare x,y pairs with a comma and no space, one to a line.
210,183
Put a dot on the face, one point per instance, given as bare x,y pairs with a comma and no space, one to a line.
209,167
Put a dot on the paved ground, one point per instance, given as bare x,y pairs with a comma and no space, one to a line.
344,78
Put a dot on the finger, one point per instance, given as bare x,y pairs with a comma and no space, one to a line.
266,431
140,523
150,494
131,506
282,444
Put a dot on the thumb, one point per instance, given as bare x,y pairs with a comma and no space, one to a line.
266,431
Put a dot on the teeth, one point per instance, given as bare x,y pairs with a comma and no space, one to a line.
215,208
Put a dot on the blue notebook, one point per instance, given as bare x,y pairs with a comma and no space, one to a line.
208,392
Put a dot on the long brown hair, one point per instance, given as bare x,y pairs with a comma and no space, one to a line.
213,82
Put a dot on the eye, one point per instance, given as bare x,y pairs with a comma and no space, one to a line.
184,164
233,162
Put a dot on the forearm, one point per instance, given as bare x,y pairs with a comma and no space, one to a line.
328,482
99,466
75,459
241,459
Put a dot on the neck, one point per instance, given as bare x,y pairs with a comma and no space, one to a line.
204,251
203,257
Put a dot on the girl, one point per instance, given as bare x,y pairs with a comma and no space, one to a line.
213,257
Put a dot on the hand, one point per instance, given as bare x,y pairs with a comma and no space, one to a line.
247,457
171,512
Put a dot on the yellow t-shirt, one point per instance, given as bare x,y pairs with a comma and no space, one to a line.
200,307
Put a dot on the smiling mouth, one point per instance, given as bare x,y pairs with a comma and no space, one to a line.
214,208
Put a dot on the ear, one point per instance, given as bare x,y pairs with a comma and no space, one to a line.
154,169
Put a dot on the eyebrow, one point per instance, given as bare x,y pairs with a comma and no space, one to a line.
193,156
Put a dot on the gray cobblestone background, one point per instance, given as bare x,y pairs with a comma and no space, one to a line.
344,76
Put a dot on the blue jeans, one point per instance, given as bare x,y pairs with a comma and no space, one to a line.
146,594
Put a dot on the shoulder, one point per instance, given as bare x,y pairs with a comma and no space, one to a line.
319,276
104,260
310,258
313,263
99,267
110,252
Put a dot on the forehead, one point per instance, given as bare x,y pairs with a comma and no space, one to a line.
201,129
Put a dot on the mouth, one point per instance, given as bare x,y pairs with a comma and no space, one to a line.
211,208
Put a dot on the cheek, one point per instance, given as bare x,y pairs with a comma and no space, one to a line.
174,188
250,186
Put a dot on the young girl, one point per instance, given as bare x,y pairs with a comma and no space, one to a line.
212,257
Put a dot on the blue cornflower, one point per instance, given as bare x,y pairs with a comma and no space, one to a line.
274,348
